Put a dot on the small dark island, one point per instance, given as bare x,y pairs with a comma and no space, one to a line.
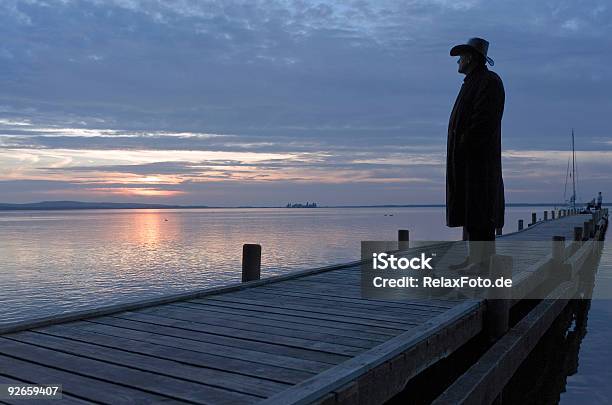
300,205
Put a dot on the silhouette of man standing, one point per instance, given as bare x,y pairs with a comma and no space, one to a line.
474,184
599,200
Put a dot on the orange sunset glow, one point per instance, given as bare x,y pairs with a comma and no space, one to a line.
128,192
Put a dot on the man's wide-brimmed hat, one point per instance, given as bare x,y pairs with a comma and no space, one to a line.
478,45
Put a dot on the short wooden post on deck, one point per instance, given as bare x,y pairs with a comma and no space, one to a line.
533,218
561,271
497,315
403,239
545,215
577,233
552,214
587,230
558,248
251,262
520,225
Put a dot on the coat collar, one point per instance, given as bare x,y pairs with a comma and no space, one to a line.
475,73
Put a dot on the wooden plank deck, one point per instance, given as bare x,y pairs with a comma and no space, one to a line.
292,339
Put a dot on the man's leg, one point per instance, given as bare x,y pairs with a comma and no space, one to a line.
466,262
479,251
481,234
481,244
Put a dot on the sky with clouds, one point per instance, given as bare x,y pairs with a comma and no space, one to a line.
262,102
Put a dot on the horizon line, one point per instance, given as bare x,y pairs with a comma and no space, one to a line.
72,205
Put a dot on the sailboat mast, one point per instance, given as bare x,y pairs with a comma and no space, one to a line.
573,172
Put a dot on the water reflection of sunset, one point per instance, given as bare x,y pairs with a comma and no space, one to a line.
146,228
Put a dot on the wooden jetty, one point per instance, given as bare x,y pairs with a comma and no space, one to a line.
306,337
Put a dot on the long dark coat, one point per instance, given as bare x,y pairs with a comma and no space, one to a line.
474,184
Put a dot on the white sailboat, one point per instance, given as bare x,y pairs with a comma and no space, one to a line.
571,201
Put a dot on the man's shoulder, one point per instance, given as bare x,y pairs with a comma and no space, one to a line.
491,82
493,77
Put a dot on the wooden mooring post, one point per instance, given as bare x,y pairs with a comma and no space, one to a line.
586,226
558,248
534,218
520,224
497,315
596,217
561,271
403,239
251,262
552,214
577,233
545,215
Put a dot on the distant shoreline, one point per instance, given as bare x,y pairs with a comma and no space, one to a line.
79,205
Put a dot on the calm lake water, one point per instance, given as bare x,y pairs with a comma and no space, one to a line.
590,384
58,261
61,261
